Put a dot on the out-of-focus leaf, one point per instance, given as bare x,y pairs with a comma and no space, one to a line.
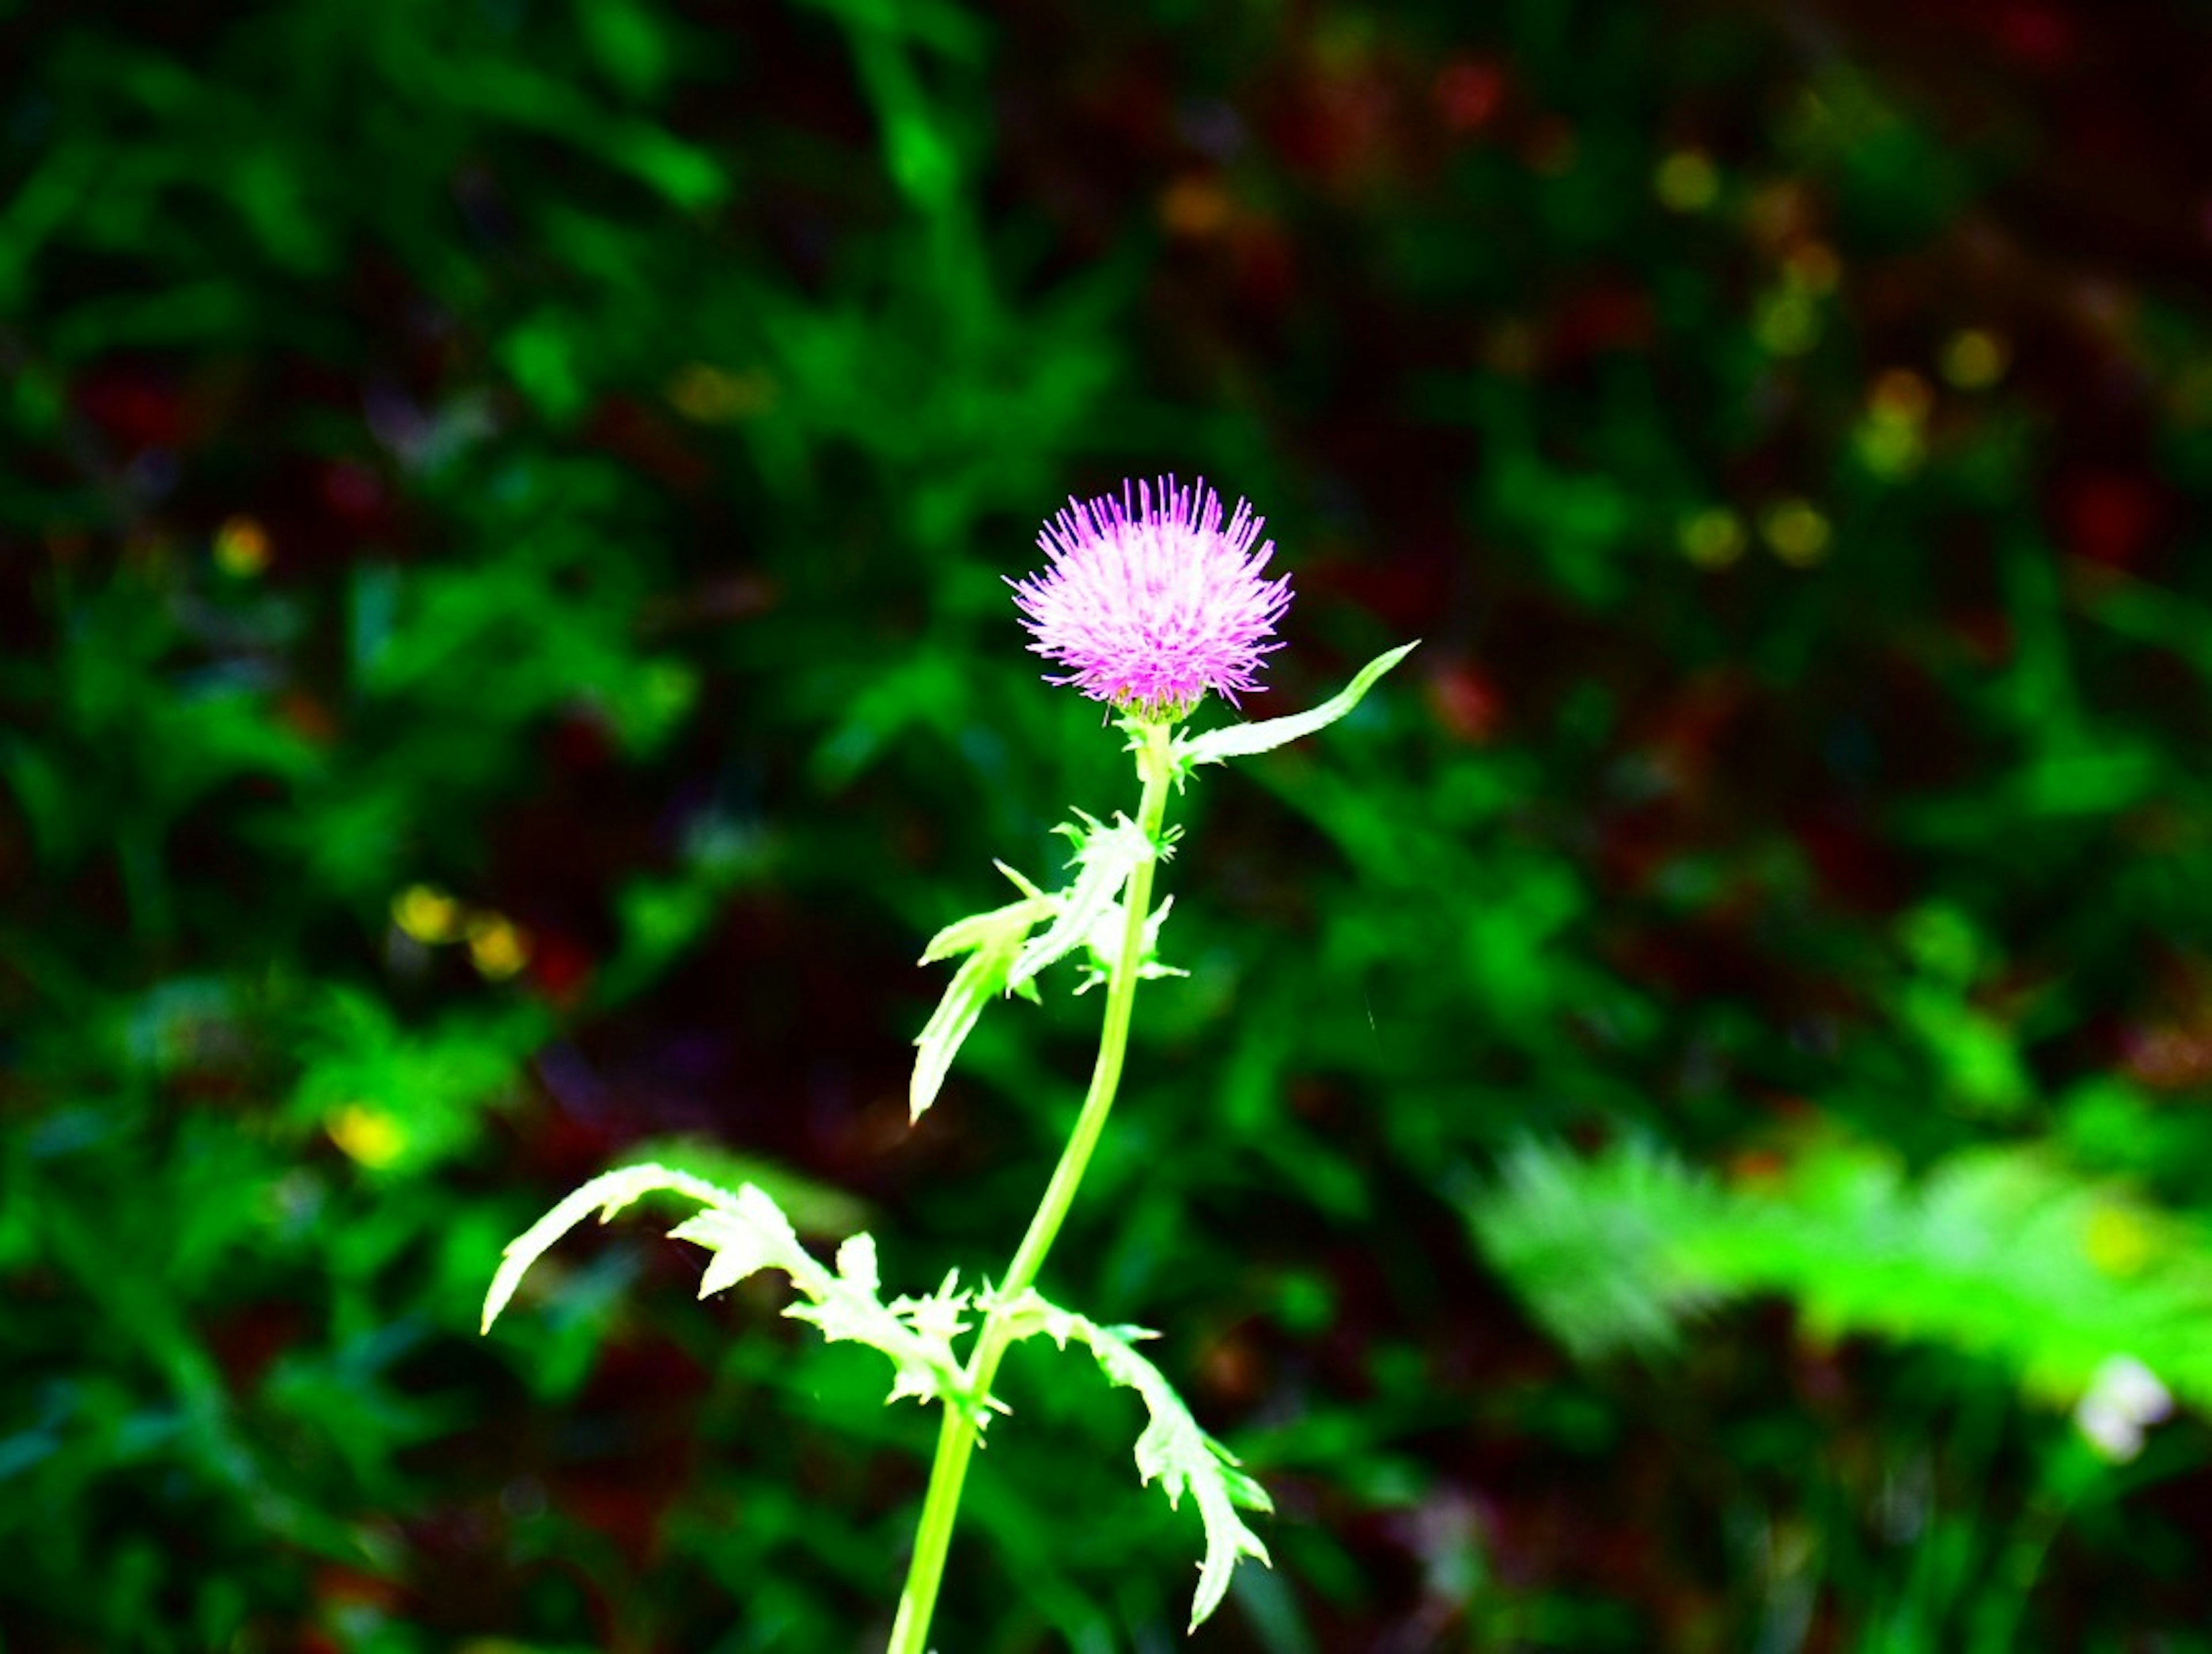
2002,1252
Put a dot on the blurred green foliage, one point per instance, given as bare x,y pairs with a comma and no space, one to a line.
503,664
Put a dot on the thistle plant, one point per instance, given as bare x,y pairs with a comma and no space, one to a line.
1149,603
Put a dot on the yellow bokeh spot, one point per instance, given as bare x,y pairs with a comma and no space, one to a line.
714,395
499,947
1711,539
426,914
1890,440
1796,533
241,547
1788,324
1889,447
1974,359
367,1135
1686,181
2118,1241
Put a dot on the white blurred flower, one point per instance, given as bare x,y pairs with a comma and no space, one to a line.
2124,1397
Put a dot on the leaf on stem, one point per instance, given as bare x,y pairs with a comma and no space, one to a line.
747,1232
1242,740
1104,857
1002,956
1103,946
608,1193
988,930
992,941
914,1335
1172,1450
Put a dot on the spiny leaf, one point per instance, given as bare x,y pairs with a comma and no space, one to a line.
608,1193
987,930
914,1335
1017,879
992,940
1106,857
747,1232
1003,958
1103,946
1172,1450
1242,740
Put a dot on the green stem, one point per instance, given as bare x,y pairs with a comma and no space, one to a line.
956,1439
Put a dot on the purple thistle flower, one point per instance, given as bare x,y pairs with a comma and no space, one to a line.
1149,607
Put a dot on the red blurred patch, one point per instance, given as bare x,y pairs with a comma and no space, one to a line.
341,1586
351,491
247,1344
1233,1371
305,715
2038,35
2107,516
1465,703
1638,843
1987,635
134,408
560,967
1469,93
630,430
1612,316
1266,262
580,741
1407,590
2167,1057
1851,864
1682,742
1341,121
1756,1168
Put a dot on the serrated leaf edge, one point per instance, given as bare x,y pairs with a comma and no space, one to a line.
1172,1450
609,1192
747,1232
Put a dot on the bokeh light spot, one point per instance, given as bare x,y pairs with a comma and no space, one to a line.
426,914
1787,322
1891,441
499,947
241,547
368,1136
1974,359
1686,181
1797,532
1712,538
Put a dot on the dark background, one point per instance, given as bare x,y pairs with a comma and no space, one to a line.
1680,1101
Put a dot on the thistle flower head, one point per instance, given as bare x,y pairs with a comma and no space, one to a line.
1150,603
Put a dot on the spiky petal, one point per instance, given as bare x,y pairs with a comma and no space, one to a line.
1149,604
